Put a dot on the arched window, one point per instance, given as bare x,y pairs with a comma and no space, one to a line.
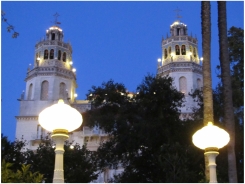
183,85
51,54
64,57
53,36
59,55
44,90
165,53
62,93
183,51
169,50
194,52
199,84
29,92
178,31
46,54
177,51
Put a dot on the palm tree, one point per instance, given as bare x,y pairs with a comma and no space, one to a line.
227,90
207,82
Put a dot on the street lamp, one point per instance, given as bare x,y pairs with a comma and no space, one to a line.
60,119
211,138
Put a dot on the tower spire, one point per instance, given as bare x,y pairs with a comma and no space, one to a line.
177,14
56,15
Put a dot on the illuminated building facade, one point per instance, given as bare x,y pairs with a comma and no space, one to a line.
180,61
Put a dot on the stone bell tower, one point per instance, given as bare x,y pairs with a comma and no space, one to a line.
180,61
51,78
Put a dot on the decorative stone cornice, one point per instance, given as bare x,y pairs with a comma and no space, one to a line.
50,71
30,118
179,67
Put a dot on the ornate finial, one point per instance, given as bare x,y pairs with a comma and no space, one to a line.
56,15
177,13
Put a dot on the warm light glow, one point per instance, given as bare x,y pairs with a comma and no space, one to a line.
172,54
38,58
201,58
55,27
159,60
75,95
190,53
210,136
71,147
74,69
60,116
71,62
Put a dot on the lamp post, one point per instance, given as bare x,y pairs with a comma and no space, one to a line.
60,119
211,138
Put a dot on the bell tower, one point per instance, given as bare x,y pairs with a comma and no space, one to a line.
51,78
180,61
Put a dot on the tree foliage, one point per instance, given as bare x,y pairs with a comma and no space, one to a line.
145,132
36,166
24,175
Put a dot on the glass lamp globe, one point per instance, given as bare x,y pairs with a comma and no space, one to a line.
210,136
60,116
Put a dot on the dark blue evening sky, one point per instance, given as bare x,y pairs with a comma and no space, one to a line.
110,40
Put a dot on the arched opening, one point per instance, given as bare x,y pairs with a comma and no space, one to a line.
51,54
169,50
165,53
29,92
44,90
183,85
64,57
62,93
183,50
199,84
177,51
46,54
59,55
178,31
53,36
194,52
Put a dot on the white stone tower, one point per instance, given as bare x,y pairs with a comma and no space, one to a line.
180,61
51,78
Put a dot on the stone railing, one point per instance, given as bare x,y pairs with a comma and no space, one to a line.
93,132
53,42
179,38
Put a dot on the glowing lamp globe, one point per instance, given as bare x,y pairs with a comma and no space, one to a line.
210,136
60,116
